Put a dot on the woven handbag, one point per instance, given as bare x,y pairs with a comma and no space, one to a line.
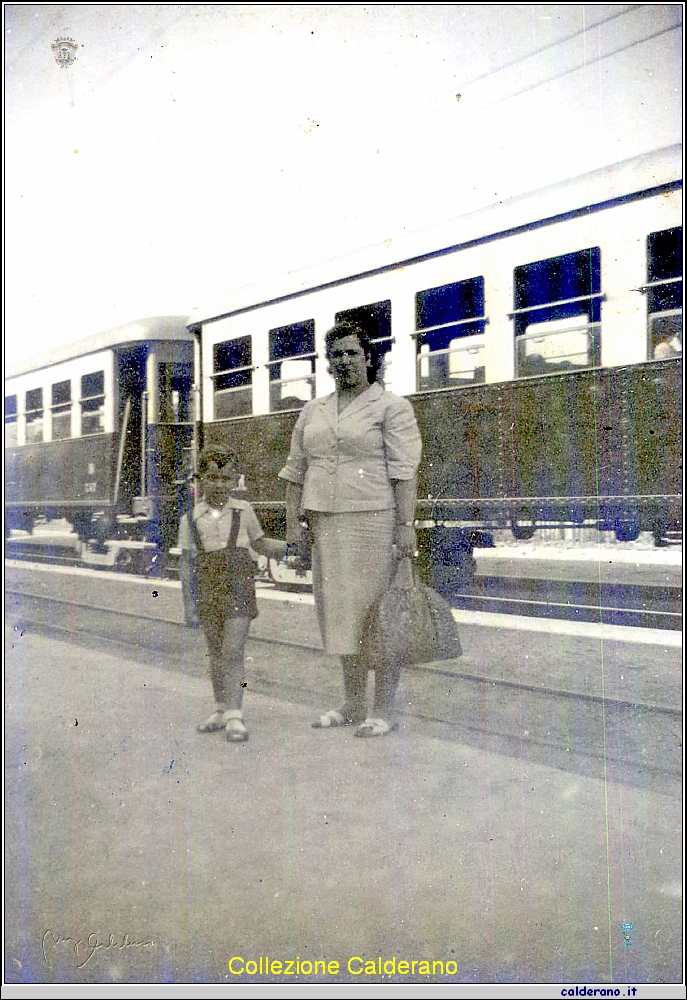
410,624
446,644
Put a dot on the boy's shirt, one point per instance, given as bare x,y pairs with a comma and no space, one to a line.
214,526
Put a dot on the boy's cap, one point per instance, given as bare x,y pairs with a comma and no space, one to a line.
218,457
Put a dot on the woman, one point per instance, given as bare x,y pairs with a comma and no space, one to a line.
351,474
218,533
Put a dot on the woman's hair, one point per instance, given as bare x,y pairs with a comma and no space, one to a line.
344,328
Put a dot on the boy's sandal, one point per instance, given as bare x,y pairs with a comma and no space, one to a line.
215,724
331,720
376,727
235,729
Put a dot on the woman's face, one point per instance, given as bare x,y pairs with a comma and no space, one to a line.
348,363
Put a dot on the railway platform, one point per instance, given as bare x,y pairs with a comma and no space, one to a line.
509,827
609,564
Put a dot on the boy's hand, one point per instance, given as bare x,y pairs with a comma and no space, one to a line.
273,548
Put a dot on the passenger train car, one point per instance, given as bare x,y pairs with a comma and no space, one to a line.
539,341
101,433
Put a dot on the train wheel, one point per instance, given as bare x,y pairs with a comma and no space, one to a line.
627,531
80,521
523,532
125,561
523,523
27,521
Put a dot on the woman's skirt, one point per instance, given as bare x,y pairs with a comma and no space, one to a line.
351,565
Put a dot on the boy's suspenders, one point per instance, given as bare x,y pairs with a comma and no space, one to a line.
194,531
233,531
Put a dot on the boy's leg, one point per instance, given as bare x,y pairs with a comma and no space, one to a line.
214,636
235,633
232,660
189,589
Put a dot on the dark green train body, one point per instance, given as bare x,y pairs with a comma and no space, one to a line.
603,446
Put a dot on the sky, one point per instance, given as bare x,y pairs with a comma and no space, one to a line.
193,149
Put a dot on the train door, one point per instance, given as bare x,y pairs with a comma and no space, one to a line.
131,386
167,437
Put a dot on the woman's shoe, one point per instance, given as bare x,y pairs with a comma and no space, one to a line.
235,729
332,720
376,727
215,724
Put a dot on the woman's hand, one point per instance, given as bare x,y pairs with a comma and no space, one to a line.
295,536
405,541
272,548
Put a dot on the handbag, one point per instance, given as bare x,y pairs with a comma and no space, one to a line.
446,644
411,623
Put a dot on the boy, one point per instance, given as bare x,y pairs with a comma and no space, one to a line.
218,531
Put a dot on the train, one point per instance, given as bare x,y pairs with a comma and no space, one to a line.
102,434
539,341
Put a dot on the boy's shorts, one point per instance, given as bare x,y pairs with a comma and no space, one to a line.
226,586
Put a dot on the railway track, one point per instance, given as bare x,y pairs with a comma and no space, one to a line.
135,559
653,605
25,554
643,607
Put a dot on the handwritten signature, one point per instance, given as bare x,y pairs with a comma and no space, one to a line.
85,948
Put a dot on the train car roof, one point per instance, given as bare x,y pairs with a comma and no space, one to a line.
151,328
640,176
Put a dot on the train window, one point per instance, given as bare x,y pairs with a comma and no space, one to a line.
664,293
93,403
232,378
450,321
375,320
34,416
61,410
292,365
10,421
558,313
